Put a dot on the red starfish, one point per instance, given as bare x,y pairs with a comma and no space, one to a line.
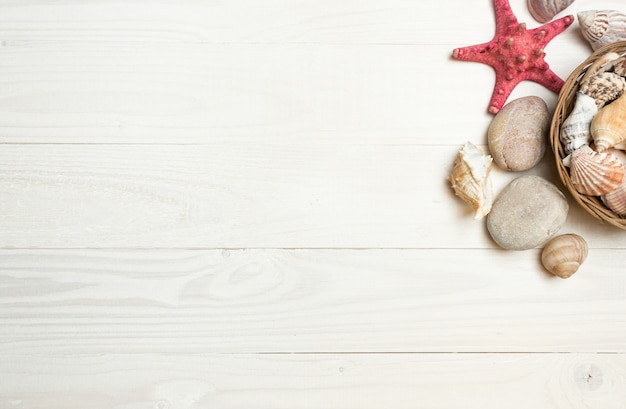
515,53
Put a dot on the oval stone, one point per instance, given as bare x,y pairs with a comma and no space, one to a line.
527,213
518,135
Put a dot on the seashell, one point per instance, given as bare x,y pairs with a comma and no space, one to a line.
616,199
602,27
575,129
604,87
608,127
619,66
470,179
563,255
601,64
544,10
593,173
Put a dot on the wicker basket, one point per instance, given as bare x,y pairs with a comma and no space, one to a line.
591,204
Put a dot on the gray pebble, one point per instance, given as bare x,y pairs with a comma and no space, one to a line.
527,213
518,135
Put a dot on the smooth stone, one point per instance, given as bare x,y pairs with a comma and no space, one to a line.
518,135
527,213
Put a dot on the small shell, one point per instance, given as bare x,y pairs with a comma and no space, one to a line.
608,127
544,10
616,199
470,179
602,27
563,255
575,129
593,173
604,87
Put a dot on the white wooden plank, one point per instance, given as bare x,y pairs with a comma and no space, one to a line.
573,381
165,301
244,195
198,93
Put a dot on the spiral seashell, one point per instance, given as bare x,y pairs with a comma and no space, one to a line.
544,10
564,254
602,27
616,199
470,179
604,87
575,129
608,127
593,173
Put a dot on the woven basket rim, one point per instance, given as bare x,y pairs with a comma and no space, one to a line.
591,204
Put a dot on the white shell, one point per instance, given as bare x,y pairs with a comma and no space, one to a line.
593,173
602,27
544,10
575,129
563,255
470,179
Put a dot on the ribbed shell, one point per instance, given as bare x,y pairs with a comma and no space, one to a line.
604,87
602,27
608,126
616,199
470,179
563,255
544,10
593,173
575,129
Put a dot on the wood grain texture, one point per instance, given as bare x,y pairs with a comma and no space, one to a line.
295,301
161,381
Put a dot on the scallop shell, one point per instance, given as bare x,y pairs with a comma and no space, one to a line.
604,87
616,199
470,179
575,129
602,27
608,127
593,173
563,255
544,10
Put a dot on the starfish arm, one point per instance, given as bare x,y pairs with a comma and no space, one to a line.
504,16
545,33
547,78
501,92
472,53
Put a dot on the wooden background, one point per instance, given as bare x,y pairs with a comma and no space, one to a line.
243,204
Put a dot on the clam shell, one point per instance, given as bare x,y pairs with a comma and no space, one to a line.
470,179
604,87
563,255
593,173
602,27
575,129
608,127
544,10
